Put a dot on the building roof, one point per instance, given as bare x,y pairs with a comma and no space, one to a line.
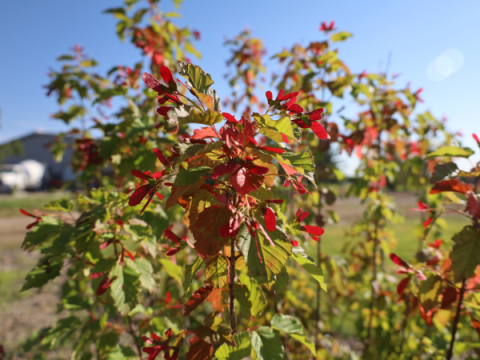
36,132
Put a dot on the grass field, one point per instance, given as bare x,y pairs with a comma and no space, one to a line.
9,204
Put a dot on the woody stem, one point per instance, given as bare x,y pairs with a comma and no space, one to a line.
233,321
455,321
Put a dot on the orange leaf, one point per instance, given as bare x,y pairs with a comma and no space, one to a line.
196,299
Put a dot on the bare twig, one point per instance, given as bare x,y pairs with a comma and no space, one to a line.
233,320
455,321
131,331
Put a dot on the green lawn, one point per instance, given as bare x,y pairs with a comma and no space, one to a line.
9,204
406,235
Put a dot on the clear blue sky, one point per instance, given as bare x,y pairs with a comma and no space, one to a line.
34,33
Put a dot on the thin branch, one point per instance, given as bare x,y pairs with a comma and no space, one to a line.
233,320
319,291
131,331
455,321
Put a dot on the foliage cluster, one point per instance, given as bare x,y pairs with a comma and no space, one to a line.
193,243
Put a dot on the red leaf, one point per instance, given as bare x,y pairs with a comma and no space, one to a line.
139,194
270,220
313,230
105,244
421,276
436,244
160,196
294,243
422,206
427,222
197,298
402,285
204,133
152,82
103,286
268,94
252,140
282,97
316,115
396,260
31,225
166,75
156,337
284,138
94,276
286,183
288,170
449,296
157,175
259,170
303,216
272,149
473,206
163,110
475,137
319,130
161,157
450,185
173,251
224,169
231,229
172,236
275,201
130,255
245,182
295,108
230,118
140,175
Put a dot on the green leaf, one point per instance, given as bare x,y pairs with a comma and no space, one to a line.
145,269
198,78
266,344
275,128
190,272
62,329
282,281
293,327
48,269
303,160
64,205
47,229
173,270
217,270
191,49
430,291
106,94
307,263
341,36
273,258
125,288
451,151
187,177
256,298
444,171
465,254
287,323
138,231
239,352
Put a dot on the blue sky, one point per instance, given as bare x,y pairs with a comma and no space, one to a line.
34,33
